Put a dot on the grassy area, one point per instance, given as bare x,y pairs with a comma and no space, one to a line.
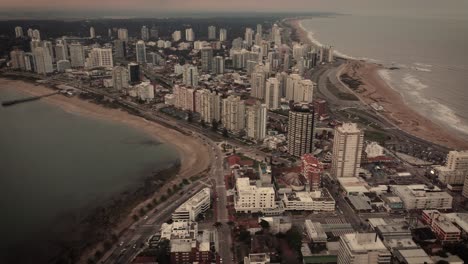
339,94
376,136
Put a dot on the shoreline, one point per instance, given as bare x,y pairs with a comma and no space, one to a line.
192,152
374,89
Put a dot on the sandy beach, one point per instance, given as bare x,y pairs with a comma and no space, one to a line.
375,89
193,153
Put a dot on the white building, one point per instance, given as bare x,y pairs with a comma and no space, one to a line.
140,50
208,104
233,113
421,197
193,207
258,81
100,57
63,65
347,150
249,33
43,60
272,93
314,231
92,33
304,91
17,59
189,34
122,34
184,98
18,32
292,84
222,34
319,200
455,170
218,65
373,149
190,75
61,52
120,78
251,198
145,33
36,34
145,91
256,120
363,248
77,55
211,32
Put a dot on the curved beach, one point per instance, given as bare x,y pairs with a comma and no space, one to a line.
376,89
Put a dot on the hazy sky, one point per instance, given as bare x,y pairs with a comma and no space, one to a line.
425,7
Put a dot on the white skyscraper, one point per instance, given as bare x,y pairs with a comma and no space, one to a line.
177,35
189,34
249,34
145,33
30,33
304,91
100,57
276,35
222,34
190,75
209,105
259,29
43,60
272,93
218,65
292,84
233,113
77,55
92,33
60,52
347,147
257,82
48,45
122,34
36,34
18,32
140,50
256,119
207,59
211,32
120,78
17,59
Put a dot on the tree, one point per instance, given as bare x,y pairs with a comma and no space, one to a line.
214,125
225,133
244,235
185,181
217,224
135,217
231,223
264,224
190,117
203,124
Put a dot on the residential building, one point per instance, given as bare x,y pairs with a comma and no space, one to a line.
120,78
249,34
17,59
92,33
177,35
318,200
312,170
133,73
43,60
36,34
209,105
122,34
77,55
256,120
63,65
61,52
207,59
251,198
233,113
362,248
120,49
422,197
211,32
189,34
258,81
100,57
442,226
145,34
140,50
347,150
18,32
222,34
218,65
145,91
272,94
300,129
190,75
193,207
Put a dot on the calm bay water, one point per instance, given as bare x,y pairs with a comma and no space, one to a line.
53,163
429,52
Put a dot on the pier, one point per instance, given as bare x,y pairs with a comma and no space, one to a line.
27,99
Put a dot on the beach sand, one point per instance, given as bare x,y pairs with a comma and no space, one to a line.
193,154
375,89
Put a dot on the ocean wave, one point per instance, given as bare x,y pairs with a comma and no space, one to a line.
424,65
413,83
421,69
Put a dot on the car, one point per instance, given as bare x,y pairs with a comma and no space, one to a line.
146,217
121,243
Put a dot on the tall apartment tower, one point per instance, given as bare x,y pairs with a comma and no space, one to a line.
222,34
17,59
258,81
249,35
272,93
211,32
120,78
36,34
218,65
145,35
92,33
207,59
189,34
18,32
120,49
347,147
363,248
43,60
233,113
140,50
133,73
256,119
122,34
301,129
190,75
77,55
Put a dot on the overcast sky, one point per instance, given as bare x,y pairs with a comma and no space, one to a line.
418,7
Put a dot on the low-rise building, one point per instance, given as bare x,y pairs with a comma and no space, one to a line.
315,232
319,200
193,207
257,258
362,248
422,197
251,198
353,185
443,228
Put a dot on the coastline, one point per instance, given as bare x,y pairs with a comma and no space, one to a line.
375,89
192,152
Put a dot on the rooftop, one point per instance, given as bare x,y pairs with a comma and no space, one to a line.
364,242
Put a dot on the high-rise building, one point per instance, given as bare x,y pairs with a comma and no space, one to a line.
222,34
36,34
77,55
109,33
190,75
34,43
304,91
272,93
140,50
256,119
257,82
120,78
177,35
63,65
134,73
48,45
259,29
276,35
209,105
92,33
122,34
233,113
145,33
211,32
312,170
193,207
17,59
218,65
249,34
30,33
258,39
18,32
457,160
43,60
100,57
60,52
154,33
363,248
189,34
207,59
29,63
347,147
120,49
301,129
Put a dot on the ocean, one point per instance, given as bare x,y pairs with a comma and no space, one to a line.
429,52
54,164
